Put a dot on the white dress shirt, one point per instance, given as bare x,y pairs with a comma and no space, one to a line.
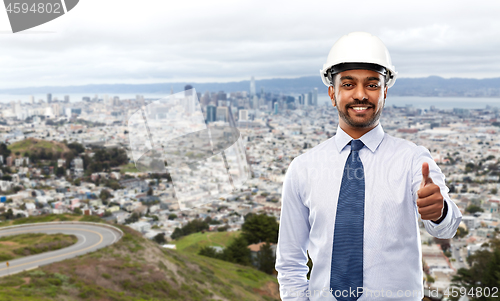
392,259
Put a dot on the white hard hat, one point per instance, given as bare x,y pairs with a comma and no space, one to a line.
358,50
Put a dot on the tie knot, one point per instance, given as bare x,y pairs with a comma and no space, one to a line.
356,145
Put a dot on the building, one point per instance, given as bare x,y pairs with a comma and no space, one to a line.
222,114
49,97
470,221
77,166
243,115
252,87
315,97
20,161
255,250
211,113
138,98
61,162
9,161
140,185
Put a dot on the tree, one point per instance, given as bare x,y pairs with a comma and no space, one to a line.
483,272
113,184
473,209
78,211
238,251
260,227
266,259
133,218
160,238
461,232
8,214
172,216
208,251
76,147
105,194
150,191
177,233
4,150
59,171
77,182
193,226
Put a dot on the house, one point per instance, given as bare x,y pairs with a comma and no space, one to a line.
255,250
134,184
77,166
470,221
61,162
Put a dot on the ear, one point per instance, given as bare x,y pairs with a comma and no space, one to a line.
331,93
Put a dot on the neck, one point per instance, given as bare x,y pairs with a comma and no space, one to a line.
355,132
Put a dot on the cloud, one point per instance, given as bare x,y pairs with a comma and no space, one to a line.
161,41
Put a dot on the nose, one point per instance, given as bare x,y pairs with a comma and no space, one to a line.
360,93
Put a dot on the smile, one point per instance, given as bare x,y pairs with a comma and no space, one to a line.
360,109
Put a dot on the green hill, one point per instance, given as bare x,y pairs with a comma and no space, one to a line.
32,145
193,243
138,269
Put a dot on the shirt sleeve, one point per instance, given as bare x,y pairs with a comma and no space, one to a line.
293,239
448,226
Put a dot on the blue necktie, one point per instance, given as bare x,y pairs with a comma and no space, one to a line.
347,255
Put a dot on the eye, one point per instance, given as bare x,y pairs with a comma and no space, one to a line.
373,86
347,85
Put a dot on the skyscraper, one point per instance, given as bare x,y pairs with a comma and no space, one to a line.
49,97
252,87
315,97
211,113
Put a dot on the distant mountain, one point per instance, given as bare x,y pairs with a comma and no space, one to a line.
428,86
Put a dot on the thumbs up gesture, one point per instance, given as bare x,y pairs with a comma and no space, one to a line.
430,202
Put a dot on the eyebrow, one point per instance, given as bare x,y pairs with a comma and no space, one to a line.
348,77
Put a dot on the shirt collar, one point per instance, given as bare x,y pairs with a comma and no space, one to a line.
372,139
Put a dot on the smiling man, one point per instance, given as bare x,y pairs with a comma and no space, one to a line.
353,202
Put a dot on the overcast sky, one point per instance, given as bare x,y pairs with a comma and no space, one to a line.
154,41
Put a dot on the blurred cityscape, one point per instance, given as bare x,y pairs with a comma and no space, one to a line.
73,156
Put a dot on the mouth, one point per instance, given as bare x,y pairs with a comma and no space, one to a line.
359,108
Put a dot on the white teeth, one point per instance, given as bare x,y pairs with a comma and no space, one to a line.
360,108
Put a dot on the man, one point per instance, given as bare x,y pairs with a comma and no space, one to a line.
352,203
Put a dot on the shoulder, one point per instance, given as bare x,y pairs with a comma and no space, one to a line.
406,152
401,145
316,154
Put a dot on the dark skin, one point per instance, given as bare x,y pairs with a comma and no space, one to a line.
359,96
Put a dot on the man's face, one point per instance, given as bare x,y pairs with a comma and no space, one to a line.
359,96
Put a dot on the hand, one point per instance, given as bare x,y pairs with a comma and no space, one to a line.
430,202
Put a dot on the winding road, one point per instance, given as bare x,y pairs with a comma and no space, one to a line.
91,237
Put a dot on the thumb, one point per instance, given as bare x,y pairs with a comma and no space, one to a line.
425,175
